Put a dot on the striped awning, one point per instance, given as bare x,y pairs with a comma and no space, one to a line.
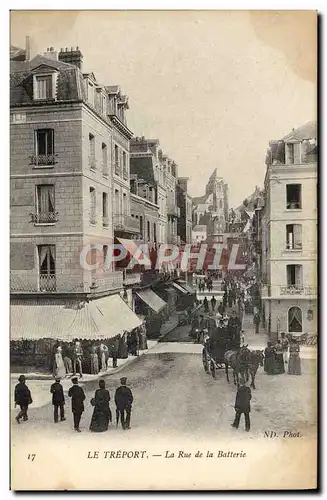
68,319
152,299
179,288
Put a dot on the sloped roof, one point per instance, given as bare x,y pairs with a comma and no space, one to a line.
201,200
16,53
306,131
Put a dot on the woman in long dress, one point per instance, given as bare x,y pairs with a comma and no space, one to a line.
103,354
270,359
94,360
59,367
279,358
294,361
101,413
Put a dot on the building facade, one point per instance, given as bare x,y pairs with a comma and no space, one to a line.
288,233
170,175
65,127
184,203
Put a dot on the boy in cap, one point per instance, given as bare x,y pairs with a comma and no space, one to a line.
78,397
58,400
124,400
23,398
242,405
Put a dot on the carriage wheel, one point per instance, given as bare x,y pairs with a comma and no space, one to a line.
213,369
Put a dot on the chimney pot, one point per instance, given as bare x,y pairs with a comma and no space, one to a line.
66,49
77,48
51,48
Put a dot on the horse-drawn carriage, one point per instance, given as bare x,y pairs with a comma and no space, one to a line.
217,343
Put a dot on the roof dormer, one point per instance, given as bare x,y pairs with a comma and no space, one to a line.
45,83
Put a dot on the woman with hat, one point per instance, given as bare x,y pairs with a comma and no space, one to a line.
23,398
101,413
59,366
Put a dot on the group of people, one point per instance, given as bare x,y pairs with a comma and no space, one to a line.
101,417
205,283
94,356
281,353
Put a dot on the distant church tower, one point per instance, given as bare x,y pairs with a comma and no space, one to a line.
219,214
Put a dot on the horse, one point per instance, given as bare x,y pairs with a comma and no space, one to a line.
256,359
238,361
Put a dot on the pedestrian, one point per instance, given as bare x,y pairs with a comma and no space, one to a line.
113,353
270,359
124,399
67,359
213,303
256,321
221,309
58,400
94,360
285,344
77,358
101,413
23,398
234,330
59,369
103,353
78,397
294,361
242,405
279,358
206,305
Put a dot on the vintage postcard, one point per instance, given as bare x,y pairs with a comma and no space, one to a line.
163,250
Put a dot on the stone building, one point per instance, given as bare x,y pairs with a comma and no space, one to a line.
65,131
287,233
173,212
144,209
212,209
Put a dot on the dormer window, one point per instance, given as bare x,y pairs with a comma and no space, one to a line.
44,86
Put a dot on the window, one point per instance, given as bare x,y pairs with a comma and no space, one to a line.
289,154
220,203
44,147
117,205
295,320
293,196
92,152
117,167
141,226
154,232
294,275
105,256
294,236
125,173
45,205
105,218
104,160
90,93
92,206
47,268
148,230
125,208
43,87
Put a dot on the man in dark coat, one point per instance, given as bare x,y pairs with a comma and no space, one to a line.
206,305
124,400
58,400
221,309
242,405
234,330
213,303
78,397
113,352
23,398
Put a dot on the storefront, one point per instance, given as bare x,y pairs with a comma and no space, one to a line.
149,304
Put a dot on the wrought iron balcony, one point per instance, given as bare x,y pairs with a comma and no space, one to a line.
126,223
298,290
45,218
47,283
43,160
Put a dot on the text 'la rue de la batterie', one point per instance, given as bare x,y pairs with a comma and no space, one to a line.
179,454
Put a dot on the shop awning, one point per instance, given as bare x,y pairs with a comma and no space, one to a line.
179,288
152,299
67,320
187,287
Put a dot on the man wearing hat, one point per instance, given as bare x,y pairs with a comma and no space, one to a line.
23,398
58,400
124,400
78,397
242,405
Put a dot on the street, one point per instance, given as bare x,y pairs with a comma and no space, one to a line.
173,395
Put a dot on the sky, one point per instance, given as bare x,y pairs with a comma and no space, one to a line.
213,86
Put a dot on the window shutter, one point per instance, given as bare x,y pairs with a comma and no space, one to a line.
297,236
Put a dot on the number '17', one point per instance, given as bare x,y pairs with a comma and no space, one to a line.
31,456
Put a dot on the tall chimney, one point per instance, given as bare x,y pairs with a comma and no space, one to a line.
72,56
28,48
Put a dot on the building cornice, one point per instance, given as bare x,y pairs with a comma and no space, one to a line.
292,168
144,201
121,127
141,155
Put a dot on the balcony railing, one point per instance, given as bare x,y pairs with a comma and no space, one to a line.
47,283
43,160
92,163
288,290
45,218
294,246
126,223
